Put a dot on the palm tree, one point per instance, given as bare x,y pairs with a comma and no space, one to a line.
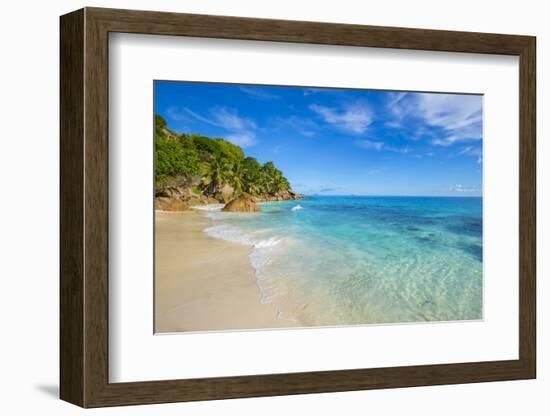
280,183
253,188
263,182
217,173
237,177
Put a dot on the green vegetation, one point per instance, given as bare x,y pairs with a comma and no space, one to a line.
208,164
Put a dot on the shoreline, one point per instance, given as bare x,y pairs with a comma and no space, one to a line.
203,283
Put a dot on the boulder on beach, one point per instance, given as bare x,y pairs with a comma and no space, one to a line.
243,203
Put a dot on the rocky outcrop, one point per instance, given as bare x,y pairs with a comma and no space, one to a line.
170,204
180,195
280,196
186,195
169,134
225,194
243,203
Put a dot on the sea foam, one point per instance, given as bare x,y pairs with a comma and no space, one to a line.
264,247
209,207
237,235
363,260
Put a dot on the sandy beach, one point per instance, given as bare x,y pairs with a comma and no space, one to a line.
202,283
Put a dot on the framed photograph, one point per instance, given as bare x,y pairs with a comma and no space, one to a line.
255,207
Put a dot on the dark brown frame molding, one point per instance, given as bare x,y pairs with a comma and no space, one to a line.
84,207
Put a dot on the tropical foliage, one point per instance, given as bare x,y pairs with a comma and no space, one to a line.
210,164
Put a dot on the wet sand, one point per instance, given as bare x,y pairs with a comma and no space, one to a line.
202,283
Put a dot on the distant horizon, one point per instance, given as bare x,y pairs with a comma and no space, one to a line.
395,196
341,142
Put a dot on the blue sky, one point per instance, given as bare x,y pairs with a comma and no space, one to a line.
340,141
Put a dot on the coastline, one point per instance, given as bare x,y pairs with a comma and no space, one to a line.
203,283
399,263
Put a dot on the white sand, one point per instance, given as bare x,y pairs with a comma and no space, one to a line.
205,284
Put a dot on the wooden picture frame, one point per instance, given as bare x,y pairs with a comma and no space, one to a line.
84,207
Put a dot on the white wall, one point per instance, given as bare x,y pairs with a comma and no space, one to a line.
29,214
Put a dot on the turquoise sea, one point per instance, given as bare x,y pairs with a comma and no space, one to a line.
348,260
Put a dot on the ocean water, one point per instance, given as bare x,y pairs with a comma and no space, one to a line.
352,260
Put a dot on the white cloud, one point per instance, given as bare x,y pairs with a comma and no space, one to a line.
370,145
378,146
458,115
403,150
393,124
198,116
352,118
465,150
258,92
245,139
219,117
423,155
401,105
304,126
460,188
230,120
396,105
177,113
472,151
451,111
240,129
